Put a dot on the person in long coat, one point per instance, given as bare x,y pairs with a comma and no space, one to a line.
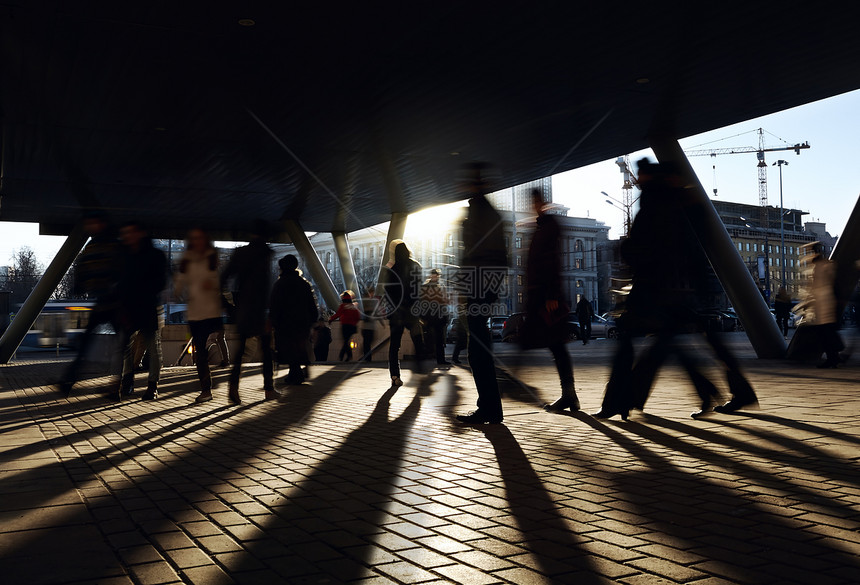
293,311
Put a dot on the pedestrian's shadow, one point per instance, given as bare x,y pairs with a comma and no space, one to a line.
548,536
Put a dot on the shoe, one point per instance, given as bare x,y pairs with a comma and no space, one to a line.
396,382
151,393
65,388
705,410
233,395
126,385
203,397
566,401
443,363
733,405
456,361
479,418
272,394
609,414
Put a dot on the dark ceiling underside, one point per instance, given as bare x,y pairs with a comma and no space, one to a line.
175,114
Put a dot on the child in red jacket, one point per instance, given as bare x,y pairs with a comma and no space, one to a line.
349,316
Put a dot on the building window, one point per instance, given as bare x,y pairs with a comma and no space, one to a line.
578,264
519,279
577,246
518,242
579,284
451,240
519,260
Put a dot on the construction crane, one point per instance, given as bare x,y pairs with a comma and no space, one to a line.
762,165
627,201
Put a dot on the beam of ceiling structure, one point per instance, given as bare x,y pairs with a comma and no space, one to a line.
180,113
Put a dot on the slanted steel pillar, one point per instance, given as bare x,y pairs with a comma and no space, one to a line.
396,229
845,255
315,266
347,266
760,326
46,286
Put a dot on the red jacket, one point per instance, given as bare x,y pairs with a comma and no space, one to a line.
348,314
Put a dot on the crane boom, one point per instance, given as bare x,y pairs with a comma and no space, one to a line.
746,149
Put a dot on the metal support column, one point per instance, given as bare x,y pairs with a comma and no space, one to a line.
315,266
347,266
396,229
46,286
763,332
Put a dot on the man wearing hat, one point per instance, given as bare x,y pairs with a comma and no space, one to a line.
433,301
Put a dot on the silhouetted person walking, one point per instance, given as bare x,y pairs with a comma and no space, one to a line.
96,274
401,284
483,271
197,280
825,304
250,268
143,276
293,311
782,309
546,309
434,310
321,336
584,314
349,317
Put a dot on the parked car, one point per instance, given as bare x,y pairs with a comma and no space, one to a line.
512,327
600,327
497,326
717,320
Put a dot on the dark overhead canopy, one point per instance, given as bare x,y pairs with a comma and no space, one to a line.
178,113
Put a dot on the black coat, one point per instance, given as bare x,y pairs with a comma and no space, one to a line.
485,256
250,268
143,275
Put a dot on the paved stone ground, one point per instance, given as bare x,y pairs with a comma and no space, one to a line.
343,481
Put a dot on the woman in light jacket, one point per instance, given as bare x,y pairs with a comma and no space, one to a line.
197,280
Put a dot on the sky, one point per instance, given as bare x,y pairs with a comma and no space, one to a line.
820,180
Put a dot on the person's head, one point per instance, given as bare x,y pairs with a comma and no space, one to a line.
346,296
260,230
198,240
401,253
435,274
95,223
288,263
647,170
393,246
538,204
132,234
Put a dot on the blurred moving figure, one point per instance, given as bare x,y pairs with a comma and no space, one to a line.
825,305
96,273
484,269
349,317
584,313
434,313
293,310
546,309
198,282
461,335
321,339
401,282
250,269
143,275
782,309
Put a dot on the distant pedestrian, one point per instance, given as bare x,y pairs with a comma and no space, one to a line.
584,314
349,316
321,337
143,276
483,272
370,322
546,308
401,285
434,312
825,307
293,310
197,280
250,271
782,309
96,274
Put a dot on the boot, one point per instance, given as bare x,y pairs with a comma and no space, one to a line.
233,394
151,392
126,386
568,399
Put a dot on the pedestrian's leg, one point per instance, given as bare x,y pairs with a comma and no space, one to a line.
97,318
129,344
367,343
646,368
480,347
268,365
235,373
156,358
742,391
564,367
221,342
394,342
199,337
618,398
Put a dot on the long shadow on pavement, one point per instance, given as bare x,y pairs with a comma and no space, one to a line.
549,538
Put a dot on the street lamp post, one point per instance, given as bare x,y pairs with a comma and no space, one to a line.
780,163
628,219
767,292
